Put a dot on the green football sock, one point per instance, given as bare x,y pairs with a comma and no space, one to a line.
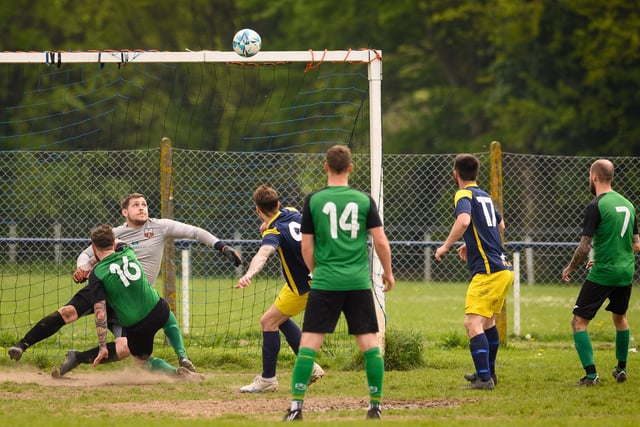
172,332
585,349
302,372
374,367
622,346
157,364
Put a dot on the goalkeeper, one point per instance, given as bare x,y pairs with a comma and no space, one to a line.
280,232
147,236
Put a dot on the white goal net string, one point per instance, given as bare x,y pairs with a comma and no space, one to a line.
85,127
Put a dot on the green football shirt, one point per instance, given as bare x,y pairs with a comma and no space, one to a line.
120,280
610,220
339,217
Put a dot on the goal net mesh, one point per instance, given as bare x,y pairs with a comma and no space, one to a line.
77,137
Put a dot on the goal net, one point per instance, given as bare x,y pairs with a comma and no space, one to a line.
82,129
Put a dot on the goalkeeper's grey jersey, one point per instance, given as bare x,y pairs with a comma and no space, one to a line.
148,242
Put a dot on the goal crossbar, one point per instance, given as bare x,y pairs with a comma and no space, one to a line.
124,56
371,57
313,58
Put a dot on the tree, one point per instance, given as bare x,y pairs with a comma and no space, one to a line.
542,76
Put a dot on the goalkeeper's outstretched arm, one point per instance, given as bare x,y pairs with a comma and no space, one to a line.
180,230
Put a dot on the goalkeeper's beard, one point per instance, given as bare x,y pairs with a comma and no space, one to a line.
137,222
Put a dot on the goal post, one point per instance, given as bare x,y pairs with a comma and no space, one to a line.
46,113
375,129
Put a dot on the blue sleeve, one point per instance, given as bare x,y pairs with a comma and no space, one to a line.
463,206
270,239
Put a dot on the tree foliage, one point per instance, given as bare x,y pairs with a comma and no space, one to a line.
541,76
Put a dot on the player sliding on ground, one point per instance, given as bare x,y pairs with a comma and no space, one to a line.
118,279
280,232
147,236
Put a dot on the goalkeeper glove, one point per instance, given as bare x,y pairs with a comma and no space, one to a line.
80,275
230,253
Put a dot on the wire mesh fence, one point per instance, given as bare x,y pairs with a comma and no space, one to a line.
50,201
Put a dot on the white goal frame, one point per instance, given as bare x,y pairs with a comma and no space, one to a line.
372,58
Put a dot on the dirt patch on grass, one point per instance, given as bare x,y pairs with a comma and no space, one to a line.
125,377
270,406
273,407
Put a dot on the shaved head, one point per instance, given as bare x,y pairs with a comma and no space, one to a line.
603,169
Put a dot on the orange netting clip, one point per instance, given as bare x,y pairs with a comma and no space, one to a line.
310,65
376,55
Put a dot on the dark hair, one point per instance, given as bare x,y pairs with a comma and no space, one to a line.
339,158
102,237
467,166
124,203
266,198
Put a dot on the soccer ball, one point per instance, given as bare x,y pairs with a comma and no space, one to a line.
247,42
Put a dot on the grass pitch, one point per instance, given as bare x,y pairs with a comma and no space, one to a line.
536,378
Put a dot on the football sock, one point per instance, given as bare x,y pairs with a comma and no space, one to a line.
302,372
585,352
590,371
270,350
494,343
172,332
157,364
479,348
622,348
46,327
90,355
292,334
374,367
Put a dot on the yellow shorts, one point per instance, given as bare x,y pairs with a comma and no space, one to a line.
487,292
290,302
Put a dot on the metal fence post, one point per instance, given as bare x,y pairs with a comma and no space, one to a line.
428,253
